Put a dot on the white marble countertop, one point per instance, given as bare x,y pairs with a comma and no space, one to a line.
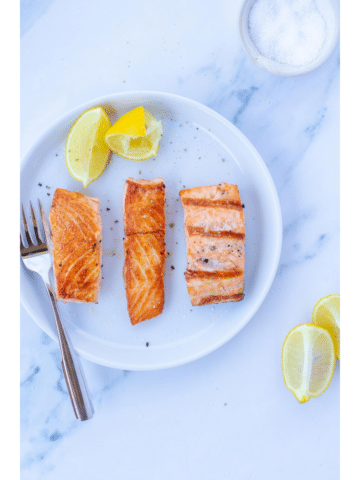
229,414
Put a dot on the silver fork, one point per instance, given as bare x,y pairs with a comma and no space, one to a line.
37,257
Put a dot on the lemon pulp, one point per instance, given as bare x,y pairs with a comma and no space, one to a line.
135,136
308,361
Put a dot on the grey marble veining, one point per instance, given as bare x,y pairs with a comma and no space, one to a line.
31,11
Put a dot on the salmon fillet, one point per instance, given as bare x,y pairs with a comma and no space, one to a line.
215,240
144,247
144,206
144,275
76,227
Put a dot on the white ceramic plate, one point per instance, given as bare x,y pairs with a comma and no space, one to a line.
199,147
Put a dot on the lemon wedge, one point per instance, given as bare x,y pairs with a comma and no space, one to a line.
86,152
308,361
326,314
135,136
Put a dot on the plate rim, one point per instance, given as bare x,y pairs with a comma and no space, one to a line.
279,230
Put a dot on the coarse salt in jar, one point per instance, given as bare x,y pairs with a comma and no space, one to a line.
289,37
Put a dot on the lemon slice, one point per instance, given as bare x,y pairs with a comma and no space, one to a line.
326,314
86,152
308,361
135,136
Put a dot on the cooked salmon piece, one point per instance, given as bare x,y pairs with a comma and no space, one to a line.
144,247
144,206
76,227
144,270
215,240
214,287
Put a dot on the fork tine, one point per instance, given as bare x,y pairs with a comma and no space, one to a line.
21,243
35,225
41,211
45,229
27,234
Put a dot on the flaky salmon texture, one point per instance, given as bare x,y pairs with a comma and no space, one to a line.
215,239
77,246
144,247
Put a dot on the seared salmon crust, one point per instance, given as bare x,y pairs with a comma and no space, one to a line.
144,247
215,239
77,246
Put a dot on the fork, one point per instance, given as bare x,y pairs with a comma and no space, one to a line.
37,257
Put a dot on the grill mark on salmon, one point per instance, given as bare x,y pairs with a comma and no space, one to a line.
77,246
202,202
215,236
214,289
144,247
221,299
223,274
210,233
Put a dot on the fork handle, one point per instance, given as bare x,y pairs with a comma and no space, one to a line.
73,372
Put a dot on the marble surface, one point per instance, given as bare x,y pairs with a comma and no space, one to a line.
229,414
